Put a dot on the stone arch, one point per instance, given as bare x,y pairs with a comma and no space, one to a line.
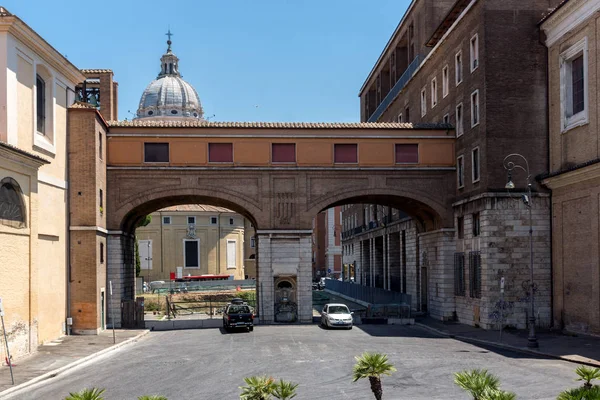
127,214
12,204
431,213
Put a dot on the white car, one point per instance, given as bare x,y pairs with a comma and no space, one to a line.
336,315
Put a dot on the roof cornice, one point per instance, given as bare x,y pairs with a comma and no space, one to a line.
20,30
15,154
568,16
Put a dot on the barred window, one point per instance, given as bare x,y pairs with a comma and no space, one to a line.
459,274
475,274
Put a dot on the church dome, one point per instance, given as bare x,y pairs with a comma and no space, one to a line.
169,97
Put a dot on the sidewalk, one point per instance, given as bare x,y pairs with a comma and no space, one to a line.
55,357
579,349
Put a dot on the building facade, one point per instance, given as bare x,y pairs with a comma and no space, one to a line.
453,62
570,33
37,84
193,240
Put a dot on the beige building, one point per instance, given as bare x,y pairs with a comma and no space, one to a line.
194,240
574,173
37,84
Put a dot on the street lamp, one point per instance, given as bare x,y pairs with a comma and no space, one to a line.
511,163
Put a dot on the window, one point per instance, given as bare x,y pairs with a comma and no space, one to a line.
446,119
423,102
213,220
474,52
433,92
101,253
191,253
573,85
459,120
231,221
458,68
283,152
166,220
460,227
460,171
475,164
407,153
191,220
475,108
445,82
252,242
346,153
40,92
12,206
100,151
407,114
400,118
101,200
231,254
475,274
156,152
476,225
220,152
459,274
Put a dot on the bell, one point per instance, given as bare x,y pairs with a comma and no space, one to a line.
93,100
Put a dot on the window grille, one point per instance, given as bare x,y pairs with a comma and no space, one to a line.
459,274
475,274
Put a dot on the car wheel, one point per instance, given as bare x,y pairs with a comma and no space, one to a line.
350,327
250,328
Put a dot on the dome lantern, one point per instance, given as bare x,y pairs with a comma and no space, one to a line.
169,97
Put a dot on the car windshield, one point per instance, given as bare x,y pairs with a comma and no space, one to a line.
338,310
239,310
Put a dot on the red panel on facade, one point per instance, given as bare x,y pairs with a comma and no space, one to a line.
407,153
220,152
283,152
346,153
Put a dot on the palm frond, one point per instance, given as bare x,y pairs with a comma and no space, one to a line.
86,394
587,374
372,365
152,397
476,381
284,390
258,388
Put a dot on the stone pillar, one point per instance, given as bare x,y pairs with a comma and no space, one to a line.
437,249
121,272
372,261
284,253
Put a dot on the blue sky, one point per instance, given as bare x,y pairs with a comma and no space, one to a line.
261,60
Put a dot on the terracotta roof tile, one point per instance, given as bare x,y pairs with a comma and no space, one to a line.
197,208
276,125
80,104
95,71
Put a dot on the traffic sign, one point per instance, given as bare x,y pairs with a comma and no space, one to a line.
329,270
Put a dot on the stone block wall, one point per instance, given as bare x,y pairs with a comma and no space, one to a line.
121,272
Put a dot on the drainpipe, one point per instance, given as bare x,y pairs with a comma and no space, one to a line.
68,223
219,243
162,253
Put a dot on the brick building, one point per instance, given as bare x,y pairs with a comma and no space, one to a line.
456,62
574,177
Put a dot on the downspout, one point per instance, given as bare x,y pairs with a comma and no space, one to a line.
68,223
218,269
162,253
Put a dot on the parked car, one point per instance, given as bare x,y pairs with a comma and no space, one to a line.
238,314
336,315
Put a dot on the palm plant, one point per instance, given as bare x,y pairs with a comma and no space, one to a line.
284,390
373,366
580,393
258,388
587,374
476,382
153,397
86,394
495,394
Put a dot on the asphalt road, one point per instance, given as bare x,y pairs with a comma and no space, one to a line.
211,364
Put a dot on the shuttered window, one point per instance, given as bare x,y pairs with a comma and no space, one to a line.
231,254
459,274
192,253
407,153
283,152
156,152
220,152
475,274
346,153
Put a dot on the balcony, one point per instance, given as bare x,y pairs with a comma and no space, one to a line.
410,71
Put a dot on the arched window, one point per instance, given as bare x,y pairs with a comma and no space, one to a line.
284,285
12,206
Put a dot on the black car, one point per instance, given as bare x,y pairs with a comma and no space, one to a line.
238,314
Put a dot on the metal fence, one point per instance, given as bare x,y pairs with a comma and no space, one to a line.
367,294
206,307
172,287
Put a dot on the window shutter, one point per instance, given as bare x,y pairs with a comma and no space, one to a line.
231,254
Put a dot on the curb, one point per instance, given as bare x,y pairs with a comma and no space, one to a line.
58,371
586,361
